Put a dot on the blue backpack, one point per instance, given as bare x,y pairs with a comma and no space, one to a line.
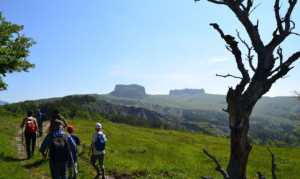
100,142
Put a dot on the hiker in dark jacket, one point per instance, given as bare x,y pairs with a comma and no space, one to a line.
40,121
59,159
31,126
57,120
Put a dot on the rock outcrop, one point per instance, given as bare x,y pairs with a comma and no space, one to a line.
186,91
129,91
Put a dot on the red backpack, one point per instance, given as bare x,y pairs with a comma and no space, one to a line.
30,125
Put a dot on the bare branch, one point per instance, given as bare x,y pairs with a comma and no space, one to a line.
295,33
277,16
284,68
218,168
228,75
249,5
254,8
249,56
279,52
225,110
216,2
273,165
238,57
287,17
283,31
261,176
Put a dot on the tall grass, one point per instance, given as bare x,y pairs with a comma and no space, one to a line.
148,153
9,161
154,153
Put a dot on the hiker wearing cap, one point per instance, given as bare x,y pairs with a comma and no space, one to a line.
71,130
40,121
98,150
31,127
61,146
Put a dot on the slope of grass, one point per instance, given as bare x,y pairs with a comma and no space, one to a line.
150,153
161,153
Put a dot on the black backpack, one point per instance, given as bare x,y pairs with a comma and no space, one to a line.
59,149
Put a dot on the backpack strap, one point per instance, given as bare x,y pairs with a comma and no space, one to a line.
65,136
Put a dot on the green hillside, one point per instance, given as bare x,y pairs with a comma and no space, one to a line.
265,106
269,121
144,152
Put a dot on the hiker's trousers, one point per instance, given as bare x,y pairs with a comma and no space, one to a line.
58,169
40,127
30,138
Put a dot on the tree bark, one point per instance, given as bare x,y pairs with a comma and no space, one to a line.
240,148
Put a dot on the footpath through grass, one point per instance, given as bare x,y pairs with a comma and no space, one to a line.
143,152
13,163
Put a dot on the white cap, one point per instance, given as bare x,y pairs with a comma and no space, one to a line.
98,126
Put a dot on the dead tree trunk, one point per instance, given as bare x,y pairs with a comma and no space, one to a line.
266,72
240,149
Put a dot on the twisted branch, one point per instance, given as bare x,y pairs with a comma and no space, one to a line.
273,165
233,47
228,75
249,56
218,168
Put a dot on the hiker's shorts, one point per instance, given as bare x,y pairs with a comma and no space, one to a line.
100,159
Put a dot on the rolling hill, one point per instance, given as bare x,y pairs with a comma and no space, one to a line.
269,122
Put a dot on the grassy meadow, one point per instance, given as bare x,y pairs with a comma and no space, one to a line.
143,152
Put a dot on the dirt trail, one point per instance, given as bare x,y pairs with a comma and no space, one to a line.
22,155
20,145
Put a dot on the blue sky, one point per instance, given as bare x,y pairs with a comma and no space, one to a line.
90,46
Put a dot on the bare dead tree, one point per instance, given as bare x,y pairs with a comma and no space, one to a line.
267,71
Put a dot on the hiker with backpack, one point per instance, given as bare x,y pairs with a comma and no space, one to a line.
98,150
39,118
57,120
61,148
71,130
31,127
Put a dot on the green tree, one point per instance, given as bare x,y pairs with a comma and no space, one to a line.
14,50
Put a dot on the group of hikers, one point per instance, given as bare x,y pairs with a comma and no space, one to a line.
62,147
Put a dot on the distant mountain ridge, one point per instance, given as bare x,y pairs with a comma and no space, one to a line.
187,91
138,92
3,102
